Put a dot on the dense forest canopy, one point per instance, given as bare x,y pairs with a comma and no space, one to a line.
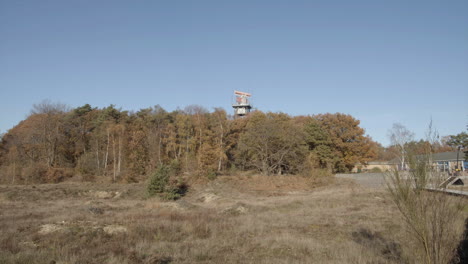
56,142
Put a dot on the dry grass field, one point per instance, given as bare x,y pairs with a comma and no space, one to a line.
233,219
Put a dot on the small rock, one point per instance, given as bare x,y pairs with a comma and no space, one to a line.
49,228
236,209
115,229
102,194
208,197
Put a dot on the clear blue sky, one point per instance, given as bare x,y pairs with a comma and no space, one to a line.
380,61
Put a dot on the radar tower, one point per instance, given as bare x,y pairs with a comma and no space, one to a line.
242,105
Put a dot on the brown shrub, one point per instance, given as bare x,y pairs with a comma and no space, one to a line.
35,173
56,175
376,242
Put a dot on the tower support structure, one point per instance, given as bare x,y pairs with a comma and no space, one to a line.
242,104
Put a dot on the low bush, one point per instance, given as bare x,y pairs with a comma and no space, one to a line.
56,175
158,181
165,183
211,175
175,167
35,173
175,189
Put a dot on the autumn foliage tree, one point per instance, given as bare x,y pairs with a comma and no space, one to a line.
116,145
272,143
459,142
338,142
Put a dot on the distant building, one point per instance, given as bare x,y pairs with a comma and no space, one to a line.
373,166
443,162
448,162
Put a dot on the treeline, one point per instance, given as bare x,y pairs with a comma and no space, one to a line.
416,147
55,142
